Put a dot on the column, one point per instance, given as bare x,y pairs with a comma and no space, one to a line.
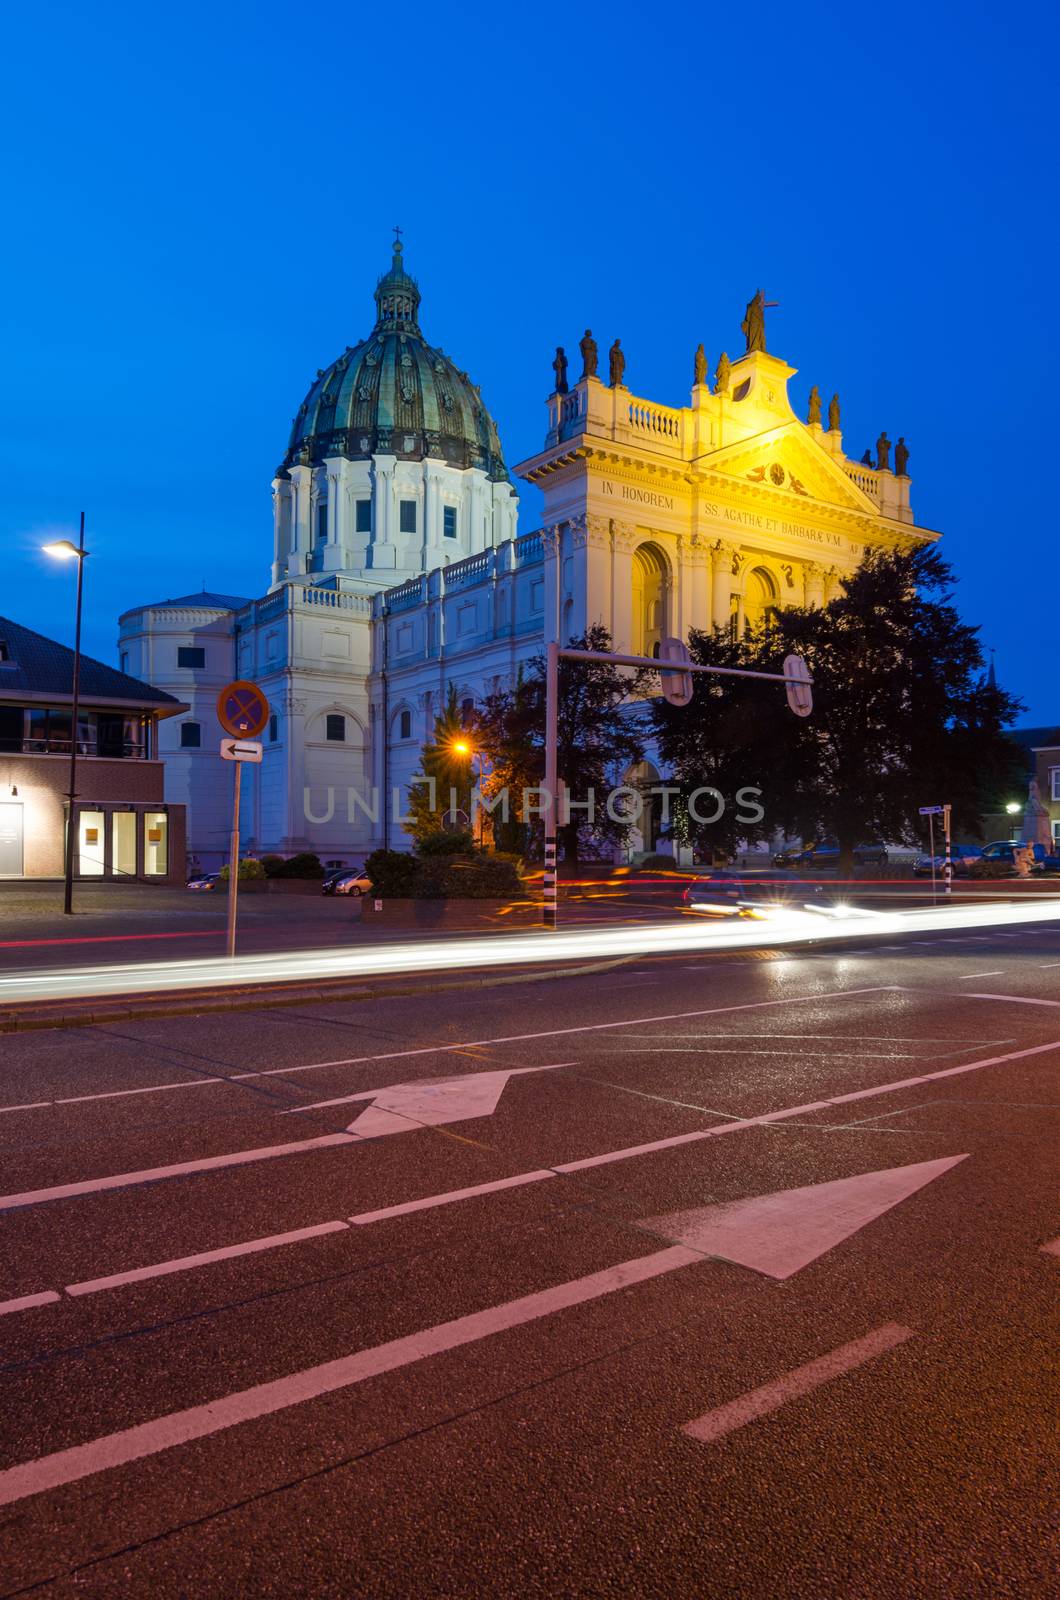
813,577
723,555
433,474
301,510
384,551
552,545
281,527
697,588
623,544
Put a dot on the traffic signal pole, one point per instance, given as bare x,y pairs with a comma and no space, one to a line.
673,663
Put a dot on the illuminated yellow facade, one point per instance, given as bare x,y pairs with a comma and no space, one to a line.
659,519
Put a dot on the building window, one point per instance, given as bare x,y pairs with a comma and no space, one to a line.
407,516
364,516
273,728
1054,773
405,725
191,655
449,521
190,735
123,658
335,727
156,844
322,522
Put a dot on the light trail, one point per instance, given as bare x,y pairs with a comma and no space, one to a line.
482,953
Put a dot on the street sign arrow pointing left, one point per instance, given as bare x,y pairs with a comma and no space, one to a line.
778,1234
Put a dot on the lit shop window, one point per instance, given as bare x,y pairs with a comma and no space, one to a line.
89,863
156,844
123,844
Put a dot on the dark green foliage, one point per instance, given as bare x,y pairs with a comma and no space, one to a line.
903,715
601,733
457,843
990,869
428,815
273,865
303,865
393,873
472,875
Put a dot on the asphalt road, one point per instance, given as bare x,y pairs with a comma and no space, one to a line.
258,1338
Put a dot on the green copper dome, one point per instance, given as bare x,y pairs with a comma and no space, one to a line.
394,394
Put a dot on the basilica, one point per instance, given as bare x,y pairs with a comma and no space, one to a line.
399,568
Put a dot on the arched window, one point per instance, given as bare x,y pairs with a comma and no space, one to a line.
405,725
760,598
650,585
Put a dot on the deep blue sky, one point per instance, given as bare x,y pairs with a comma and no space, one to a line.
199,199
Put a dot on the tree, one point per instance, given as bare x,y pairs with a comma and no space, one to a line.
600,734
432,803
903,715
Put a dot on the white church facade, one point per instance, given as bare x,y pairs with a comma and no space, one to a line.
398,568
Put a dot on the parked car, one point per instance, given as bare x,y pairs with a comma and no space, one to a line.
203,882
961,856
825,853
351,880
1004,850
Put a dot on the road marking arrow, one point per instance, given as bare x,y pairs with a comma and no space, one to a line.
778,1234
433,1102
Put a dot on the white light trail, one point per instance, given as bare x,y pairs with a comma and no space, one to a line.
486,951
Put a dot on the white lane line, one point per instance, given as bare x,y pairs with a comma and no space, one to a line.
715,1424
179,1169
47,1297
449,1197
1045,964
162,1269
429,1202
264,1399
968,976
1014,999
467,1044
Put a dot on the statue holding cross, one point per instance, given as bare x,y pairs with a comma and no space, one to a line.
753,326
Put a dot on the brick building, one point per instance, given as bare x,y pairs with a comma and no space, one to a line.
124,827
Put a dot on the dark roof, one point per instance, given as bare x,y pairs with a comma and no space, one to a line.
394,394
1036,738
205,597
37,665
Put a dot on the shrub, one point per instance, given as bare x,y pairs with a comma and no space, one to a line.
248,868
393,873
273,865
990,869
442,843
303,865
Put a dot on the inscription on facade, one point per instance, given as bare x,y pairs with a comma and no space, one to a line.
640,497
794,530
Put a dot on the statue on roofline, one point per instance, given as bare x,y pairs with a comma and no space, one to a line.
901,458
587,346
699,370
616,364
833,414
722,375
559,367
813,416
883,453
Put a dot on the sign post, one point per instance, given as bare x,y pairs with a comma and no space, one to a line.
242,711
931,812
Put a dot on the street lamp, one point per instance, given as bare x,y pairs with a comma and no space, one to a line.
1012,807
64,550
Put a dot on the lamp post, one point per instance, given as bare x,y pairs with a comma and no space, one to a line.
64,550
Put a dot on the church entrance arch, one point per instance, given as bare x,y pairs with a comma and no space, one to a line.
651,599
760,598
644,777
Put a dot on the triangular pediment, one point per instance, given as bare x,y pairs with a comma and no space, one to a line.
790,461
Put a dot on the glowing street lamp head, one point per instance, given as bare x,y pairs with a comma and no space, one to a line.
1012,807
61,549
460,747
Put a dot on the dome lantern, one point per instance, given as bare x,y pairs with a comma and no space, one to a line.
397,296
